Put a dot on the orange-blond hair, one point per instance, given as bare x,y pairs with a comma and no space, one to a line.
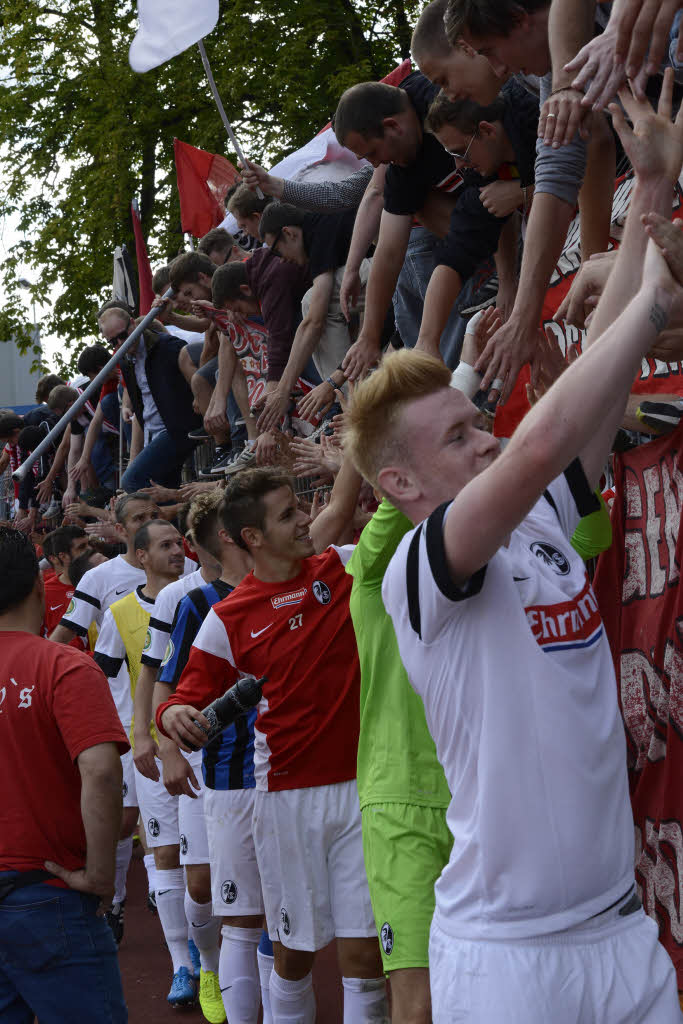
372,435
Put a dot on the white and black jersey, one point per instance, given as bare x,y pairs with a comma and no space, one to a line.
163,613
520,697
112,657
99,587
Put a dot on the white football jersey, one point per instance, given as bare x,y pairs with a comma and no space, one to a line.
520,696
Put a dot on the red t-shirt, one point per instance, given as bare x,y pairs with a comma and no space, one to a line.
54,704
299,634
57,598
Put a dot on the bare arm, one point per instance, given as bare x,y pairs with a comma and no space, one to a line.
178,776
144,747
365,229
581,412
92,433
101,781
137,440
515,342
394,234
62,634
506,266
305,341
335,518
571,24
567,421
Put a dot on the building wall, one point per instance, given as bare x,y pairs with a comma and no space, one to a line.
17,383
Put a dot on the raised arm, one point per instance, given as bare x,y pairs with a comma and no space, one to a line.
581,412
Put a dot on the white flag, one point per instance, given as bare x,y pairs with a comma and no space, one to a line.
167,27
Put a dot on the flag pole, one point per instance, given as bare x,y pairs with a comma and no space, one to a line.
221,111
92,388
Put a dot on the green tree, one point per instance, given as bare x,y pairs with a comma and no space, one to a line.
83,134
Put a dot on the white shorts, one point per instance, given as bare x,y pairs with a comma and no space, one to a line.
235,879
130,796
172,820
310,856
614,972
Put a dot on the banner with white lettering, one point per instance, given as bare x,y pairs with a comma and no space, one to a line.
638,589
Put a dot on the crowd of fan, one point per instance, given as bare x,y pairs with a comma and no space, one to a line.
323,343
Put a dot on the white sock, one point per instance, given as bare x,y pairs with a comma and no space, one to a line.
238,974
124,851
292,1002
151,869
203,929
265,969
365,1001
171,908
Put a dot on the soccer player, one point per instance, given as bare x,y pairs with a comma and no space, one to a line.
158,762
228,795
107,583
289,620
159,548
64,545
501,637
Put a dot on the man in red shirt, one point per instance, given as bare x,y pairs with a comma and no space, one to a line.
60,747
289,620
63,546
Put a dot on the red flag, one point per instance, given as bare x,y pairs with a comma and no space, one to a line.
639,593
203,182
144,269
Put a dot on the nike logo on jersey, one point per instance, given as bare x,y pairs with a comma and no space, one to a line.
258,632
520,579
54,607
122,591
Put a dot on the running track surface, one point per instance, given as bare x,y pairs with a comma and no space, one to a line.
146,966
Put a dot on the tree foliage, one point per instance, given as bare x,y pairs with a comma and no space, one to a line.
83,134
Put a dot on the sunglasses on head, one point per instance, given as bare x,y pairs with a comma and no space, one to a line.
119,338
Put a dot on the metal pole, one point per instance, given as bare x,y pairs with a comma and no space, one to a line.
91,389
221,111
118,482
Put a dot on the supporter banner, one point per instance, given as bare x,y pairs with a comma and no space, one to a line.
203,182
638,589
142,259
167,27
655,376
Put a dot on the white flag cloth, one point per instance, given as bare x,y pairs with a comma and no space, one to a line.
167,27
321,159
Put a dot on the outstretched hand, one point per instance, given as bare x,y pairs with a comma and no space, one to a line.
654,144
641,24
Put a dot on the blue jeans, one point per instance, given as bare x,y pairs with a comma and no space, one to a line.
160,460
411,289
58,960
101,458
